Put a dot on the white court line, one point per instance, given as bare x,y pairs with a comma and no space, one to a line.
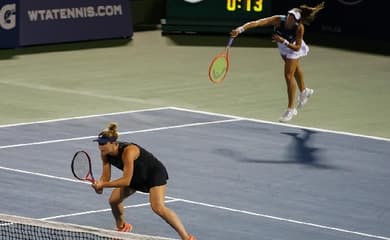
101,210
83,117
81,92
207,113
283,124
285,219
40,174
172,199
121,133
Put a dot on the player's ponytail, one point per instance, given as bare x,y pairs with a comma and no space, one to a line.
111,131
309,13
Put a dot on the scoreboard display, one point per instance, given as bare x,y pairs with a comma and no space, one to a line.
218,16
244,5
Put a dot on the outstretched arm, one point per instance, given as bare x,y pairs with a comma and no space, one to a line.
269,21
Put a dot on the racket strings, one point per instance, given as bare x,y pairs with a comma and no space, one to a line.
220,65
219,68
81,166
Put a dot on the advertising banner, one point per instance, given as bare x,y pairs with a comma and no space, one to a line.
8,24
54,21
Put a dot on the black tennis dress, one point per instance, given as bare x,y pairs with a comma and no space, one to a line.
148,170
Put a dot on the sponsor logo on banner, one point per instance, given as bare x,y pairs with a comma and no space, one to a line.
74,13
72,20
8,16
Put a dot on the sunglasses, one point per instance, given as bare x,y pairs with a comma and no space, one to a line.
102,143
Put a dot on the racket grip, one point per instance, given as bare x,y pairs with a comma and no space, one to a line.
230,42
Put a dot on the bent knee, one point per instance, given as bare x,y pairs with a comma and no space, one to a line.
114,201
158,208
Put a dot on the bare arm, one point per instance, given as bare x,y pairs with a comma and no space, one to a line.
130,154
298,42
105,177
269,21
299,39
106,173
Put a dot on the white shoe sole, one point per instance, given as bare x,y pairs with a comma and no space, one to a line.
303,103
283,120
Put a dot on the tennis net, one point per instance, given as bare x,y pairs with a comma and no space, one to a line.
22,228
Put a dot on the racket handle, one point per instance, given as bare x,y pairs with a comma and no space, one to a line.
230,42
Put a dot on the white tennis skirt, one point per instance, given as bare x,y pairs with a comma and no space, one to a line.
291,54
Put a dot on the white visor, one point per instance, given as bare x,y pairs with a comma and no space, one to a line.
296,14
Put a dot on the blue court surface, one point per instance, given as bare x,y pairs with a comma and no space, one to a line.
230,177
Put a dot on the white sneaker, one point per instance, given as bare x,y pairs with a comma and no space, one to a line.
304,97
288,115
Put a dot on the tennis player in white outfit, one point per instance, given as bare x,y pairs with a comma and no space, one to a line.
288,34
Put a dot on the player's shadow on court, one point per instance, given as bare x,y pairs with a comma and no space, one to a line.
300,151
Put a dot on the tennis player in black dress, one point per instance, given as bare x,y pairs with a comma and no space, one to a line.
141,172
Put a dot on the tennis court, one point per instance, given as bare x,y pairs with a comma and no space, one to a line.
234,172
230,177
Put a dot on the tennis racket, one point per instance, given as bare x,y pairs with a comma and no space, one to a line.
82,167
219,66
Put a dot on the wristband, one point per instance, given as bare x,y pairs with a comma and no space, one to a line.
285,42
241,29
